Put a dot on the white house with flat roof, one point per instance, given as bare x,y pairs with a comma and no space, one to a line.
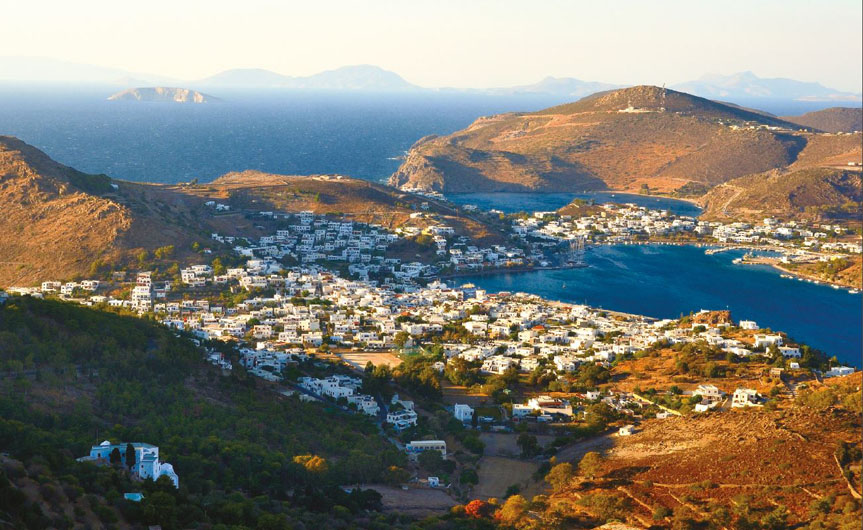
744,397
462,412
414,448
146,465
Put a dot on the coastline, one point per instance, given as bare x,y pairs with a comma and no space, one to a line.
698,244
693,201
821,281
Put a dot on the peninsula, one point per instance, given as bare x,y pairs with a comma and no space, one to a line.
633,139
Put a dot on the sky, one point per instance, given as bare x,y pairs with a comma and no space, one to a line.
452,43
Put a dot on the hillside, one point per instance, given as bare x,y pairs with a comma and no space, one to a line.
737,469
245,78
71,377
833,120
819,184
162,95
59,223
619,139
813,193
357,199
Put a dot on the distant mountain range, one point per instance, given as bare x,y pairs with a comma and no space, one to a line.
744,88
568,88
47,70
366,78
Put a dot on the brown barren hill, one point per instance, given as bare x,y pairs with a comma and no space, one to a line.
834,119
762,467
823,183
618,139
58,221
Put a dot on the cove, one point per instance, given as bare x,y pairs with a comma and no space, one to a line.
665,281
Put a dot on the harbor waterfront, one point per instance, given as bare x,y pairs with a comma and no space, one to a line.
532,202
666,281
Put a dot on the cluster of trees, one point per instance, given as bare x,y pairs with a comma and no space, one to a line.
417,375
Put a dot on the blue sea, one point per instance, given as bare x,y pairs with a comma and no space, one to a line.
666,281
362,136
286,132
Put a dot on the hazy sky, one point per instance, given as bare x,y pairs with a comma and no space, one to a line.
460,43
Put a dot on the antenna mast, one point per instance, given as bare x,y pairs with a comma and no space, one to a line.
662,99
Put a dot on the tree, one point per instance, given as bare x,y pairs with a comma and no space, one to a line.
312,463
401,338
513,509
478,509
590,464
607,507
661,512
560,476
529,445
777,519
593,375
600,414
130,456
430,460
396,475
164,252
269,521
115,458
469,476
218,267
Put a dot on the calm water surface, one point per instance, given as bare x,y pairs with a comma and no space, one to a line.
286,132
670,281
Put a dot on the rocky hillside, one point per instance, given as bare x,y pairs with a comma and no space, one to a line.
619,139
58,222
824,182
834,119
162,94
814,193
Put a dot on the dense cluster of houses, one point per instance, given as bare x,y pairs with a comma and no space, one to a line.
621,223
311,307
613,223
310,238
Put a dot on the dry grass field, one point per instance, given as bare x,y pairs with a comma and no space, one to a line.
414,501
497,473
360,359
